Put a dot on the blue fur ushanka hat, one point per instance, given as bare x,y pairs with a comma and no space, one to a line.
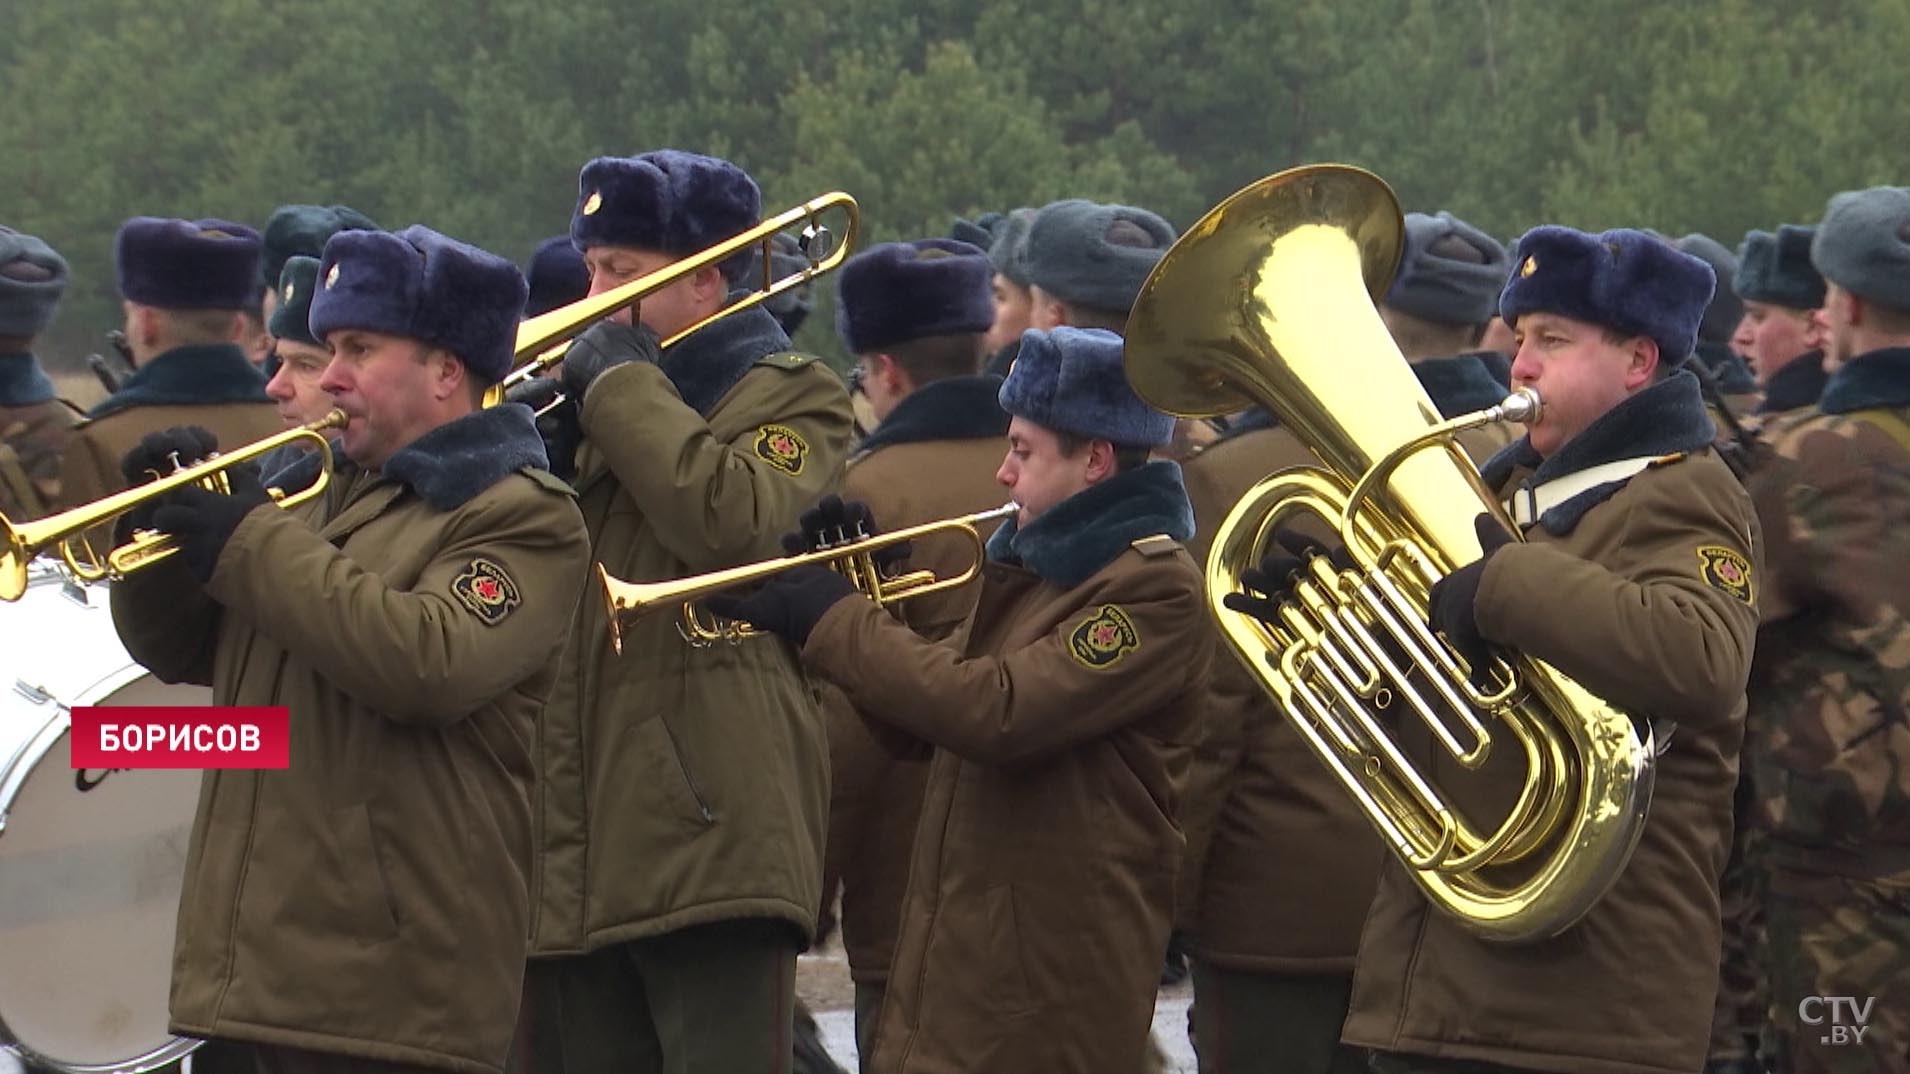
33,276
1096,256
302,231
899,291
1777,268
670,201
187,264
1863,244
557,276
1623,279
1436,286
422,285
1071,380
292,317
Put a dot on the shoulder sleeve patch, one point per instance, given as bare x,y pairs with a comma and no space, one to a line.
1158,545
782,447
548,481
1104,638
786,360
1726,570
487,590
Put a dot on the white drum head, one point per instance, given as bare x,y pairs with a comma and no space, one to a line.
91,862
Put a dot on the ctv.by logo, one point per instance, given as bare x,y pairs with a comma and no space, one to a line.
1843,1018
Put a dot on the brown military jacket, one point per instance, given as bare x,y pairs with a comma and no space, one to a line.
33,441
370,899
1042,887
1641,591
1285,863
1829,752
214,387
914,469
681,786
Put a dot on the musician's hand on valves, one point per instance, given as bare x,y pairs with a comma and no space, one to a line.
835,522
155,456
202,520
789,604
1452,598
1271,584
556,421
602,347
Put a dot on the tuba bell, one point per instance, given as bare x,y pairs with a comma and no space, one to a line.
1270,299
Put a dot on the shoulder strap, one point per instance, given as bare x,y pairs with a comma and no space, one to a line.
785,360
548,481
1159,544
1890,421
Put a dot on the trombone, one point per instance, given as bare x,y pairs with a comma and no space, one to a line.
542,340
853,556
66,531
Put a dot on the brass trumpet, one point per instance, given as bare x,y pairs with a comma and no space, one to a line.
542,340
66,531
854,557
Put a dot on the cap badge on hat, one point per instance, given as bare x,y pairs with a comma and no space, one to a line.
214,233
592,203
1530,266
331,278
289,288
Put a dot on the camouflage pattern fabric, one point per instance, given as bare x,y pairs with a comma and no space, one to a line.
1840,976
1743,1004
1829,743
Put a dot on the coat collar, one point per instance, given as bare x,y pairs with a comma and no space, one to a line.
1726,368
1085,532
708,362
958,408
1796,385
201,373
22,381
449,465
1877,379
1460,384
1667,418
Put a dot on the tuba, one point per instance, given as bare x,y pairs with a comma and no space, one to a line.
1270,299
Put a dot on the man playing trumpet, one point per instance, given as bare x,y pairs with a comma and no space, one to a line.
366,907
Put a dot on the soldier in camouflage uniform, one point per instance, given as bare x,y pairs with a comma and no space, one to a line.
34,424
1830,742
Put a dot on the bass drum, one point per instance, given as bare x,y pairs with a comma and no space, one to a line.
91,861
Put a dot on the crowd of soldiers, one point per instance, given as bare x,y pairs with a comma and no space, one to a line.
505,844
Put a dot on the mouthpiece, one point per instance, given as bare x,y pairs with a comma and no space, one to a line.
1522,406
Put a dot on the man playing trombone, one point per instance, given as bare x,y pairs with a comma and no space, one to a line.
1062,720
683,791
366,908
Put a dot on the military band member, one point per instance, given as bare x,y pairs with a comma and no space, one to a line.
183,284
1782,331
1829,747
366,908
298,363
914,314
1041,890
683,791
1086,262
1636,577
1011,287
1445,291
35,424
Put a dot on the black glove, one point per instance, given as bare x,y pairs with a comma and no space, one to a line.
557,421
202,521
1452,597
790,604
152,458
834,522
601,346
1272,582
